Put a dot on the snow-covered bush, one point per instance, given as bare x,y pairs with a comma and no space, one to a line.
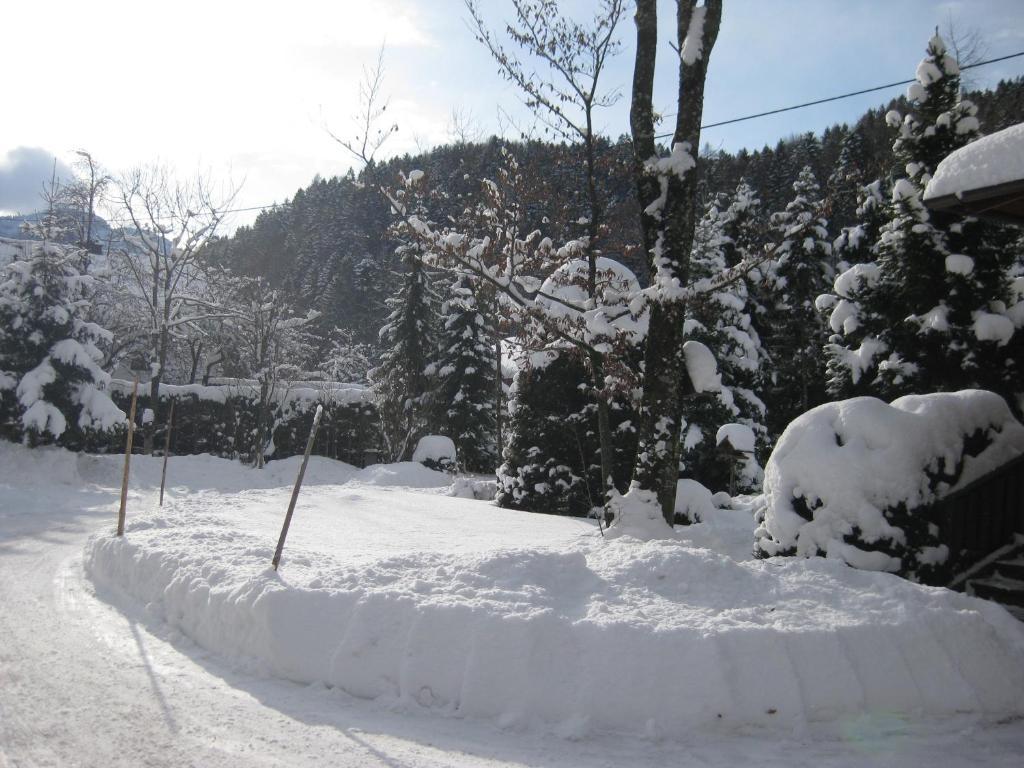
855,480
220,419
51,384
436,452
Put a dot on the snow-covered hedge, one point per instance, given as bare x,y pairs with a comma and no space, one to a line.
855,480
220,419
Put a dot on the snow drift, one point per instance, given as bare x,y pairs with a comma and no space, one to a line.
533,620
852,480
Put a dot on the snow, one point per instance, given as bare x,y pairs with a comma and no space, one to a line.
989,161
434,448
850,460
563,296
701,367
535,622
693,43
740,436
694,502
958,264
456,610
993,327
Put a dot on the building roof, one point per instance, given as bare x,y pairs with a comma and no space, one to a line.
985,178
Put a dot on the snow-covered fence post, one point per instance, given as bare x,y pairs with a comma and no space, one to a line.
298,485
167,451
127,458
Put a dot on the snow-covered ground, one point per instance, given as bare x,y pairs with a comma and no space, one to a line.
483,636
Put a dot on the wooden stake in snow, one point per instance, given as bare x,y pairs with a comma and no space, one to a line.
167,452
127,458
298,484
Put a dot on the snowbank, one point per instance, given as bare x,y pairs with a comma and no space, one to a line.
535,621
846,479
991,160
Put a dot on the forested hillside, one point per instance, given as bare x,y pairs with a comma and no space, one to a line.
328,247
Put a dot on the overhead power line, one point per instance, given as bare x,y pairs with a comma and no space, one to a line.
722,122
837,98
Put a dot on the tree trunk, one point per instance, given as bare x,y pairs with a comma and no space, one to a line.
149,433
668,237
604,429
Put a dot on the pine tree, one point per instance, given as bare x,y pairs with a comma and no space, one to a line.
466,378
401,381
795,330
721,321
550,439
930,312
856,243
51,386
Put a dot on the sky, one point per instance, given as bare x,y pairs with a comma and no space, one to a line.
246,93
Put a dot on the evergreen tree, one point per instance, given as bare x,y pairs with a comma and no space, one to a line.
795,331
721,320
401,381
930,313
550,439
51,386
856,243
467,378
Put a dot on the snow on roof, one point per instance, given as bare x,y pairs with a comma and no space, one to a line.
988,162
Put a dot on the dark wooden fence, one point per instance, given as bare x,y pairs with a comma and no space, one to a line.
984,515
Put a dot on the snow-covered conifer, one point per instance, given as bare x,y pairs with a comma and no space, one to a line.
794,329
933,311
466,377
721,320
51,386
408,340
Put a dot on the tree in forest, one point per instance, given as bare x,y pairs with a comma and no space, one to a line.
545,467
721,320
933,311
271,344
667,193
553,461
856,244
51,385
565,99
795,331
162,261
401,381
465,375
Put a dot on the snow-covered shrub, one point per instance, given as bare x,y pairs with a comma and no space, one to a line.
694,502
221,419
855,480
52,388
436,452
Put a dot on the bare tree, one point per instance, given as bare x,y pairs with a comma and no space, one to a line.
968,44
84,193
271,343
565,97
371,131
463,126
162,259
